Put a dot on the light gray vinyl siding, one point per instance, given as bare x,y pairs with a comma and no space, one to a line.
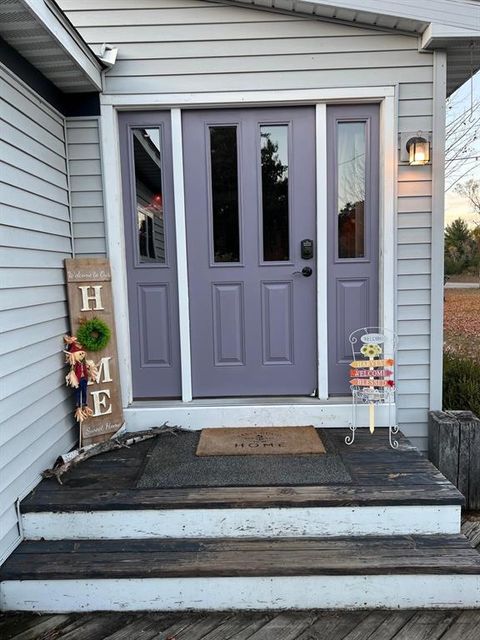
83,142
35,410
189,46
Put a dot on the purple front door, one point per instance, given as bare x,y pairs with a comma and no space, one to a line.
250,217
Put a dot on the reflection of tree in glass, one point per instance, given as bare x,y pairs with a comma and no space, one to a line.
223,149
274,201
351,190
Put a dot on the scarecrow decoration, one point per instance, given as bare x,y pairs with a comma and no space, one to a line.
371,377
82,371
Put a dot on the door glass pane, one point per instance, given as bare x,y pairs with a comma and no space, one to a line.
351,189
274,160
224,171
149,194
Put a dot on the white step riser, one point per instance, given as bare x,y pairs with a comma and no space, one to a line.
294,592
199,416
236,523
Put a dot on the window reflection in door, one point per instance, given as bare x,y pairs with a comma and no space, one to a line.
274,167
351,189
147,157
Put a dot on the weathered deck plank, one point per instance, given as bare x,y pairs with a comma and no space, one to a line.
349,625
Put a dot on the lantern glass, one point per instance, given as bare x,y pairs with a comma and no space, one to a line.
418,151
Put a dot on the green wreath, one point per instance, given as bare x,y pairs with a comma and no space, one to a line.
94,334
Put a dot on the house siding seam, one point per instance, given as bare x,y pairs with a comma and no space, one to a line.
36,411
165,47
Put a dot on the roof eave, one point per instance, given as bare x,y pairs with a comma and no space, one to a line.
54,21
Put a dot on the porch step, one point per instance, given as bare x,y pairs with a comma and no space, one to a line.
260,522
178,574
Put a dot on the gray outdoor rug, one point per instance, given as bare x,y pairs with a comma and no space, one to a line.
172,463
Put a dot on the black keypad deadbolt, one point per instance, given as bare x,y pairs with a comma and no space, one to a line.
306,249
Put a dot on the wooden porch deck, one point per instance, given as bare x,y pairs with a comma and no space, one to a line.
380,476
353,625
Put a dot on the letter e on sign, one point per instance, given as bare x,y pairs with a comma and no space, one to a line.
100,403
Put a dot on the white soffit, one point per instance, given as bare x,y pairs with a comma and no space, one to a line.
40,33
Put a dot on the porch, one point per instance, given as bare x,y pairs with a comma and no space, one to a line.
389,538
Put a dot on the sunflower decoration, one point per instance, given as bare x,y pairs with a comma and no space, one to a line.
371,350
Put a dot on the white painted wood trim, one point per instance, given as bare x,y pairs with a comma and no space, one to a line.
226,414
182,263
281,522
115,238
416,591
388,212
239,98
322,250
438,214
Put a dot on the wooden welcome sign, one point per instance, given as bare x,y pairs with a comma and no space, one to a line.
89,285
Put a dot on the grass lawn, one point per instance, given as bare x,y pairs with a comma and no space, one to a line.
462,323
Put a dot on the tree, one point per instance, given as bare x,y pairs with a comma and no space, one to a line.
470,190
461,248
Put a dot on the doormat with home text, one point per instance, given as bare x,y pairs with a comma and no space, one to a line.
238,441
173,463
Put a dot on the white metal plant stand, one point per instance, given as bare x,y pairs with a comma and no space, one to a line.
372,377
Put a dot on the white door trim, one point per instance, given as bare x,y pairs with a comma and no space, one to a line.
182,261
318,97
322,251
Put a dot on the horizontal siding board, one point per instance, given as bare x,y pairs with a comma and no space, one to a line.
413,342
12,319
412,204
258,64
270,47
35,111
90,247
87,198
415,356
208,14
414,281
414,236
416,91
413,327
413,415
413,401
10,114
417,220
33,352
10,257
413,387
28,220
34,166
38,403
413,251
20,140
414,266
17,278
30,239
84,168
406,173
34,334
414,312
14,175
413,372
21,298
415,107
86,183
17,196
87,214
13,447
234,31
84,152
26,377
89,230
415,188
272,81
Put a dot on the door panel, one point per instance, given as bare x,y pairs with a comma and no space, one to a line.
250,200
146,158
353,231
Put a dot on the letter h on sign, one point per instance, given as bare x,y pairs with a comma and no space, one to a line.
96,297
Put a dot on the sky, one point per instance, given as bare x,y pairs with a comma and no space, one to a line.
455,205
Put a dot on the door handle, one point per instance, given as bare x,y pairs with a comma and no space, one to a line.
306,272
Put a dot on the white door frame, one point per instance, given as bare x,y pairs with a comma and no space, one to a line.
111,104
